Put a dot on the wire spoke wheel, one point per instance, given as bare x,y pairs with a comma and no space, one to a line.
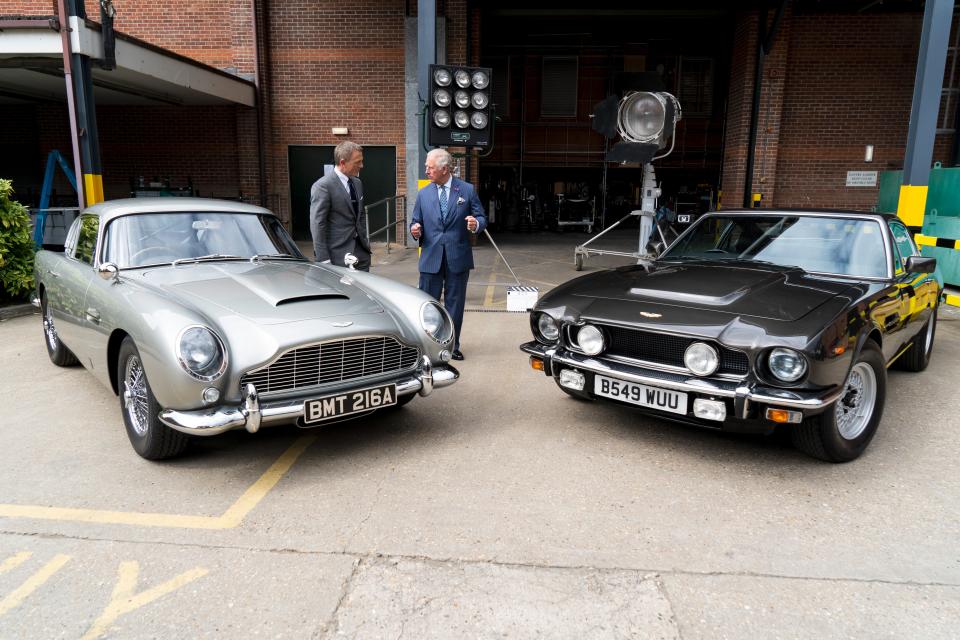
135,394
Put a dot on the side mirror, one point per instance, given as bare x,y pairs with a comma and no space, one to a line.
349,260
921,264
109,271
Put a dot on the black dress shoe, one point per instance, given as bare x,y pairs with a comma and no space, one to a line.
457,355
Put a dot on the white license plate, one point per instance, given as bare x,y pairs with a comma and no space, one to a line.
344,404
640,394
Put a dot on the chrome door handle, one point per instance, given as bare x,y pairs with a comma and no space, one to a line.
93,315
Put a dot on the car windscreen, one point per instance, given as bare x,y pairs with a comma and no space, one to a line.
161,238
821,244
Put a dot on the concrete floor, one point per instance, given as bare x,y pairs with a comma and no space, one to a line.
497,507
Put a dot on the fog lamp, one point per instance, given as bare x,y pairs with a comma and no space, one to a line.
211,395
572,379
710,409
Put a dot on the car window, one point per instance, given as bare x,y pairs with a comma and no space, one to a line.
822,244
160,238
87,238
904,244
71,242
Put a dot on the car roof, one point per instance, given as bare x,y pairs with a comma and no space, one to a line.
175,204
836,212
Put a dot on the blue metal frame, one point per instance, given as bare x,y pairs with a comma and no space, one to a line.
52,159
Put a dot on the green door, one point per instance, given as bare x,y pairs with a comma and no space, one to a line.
379,176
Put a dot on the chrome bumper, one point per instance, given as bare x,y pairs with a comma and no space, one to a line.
251,414
742,393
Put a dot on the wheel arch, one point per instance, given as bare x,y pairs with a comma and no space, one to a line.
113,353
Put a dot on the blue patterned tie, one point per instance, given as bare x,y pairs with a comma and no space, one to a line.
443,204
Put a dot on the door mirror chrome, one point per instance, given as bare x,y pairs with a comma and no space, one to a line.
109,271
921,264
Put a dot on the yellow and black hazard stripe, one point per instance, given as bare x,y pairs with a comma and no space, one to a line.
943,243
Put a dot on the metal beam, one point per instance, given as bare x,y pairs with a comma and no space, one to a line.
937,18
426,55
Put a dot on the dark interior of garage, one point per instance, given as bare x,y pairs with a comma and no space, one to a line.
553,65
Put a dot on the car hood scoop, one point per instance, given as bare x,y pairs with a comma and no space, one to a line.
267,292
749,290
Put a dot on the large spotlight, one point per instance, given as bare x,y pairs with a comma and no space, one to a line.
648,117
459,109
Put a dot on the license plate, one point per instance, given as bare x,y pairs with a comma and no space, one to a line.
347,403
640,394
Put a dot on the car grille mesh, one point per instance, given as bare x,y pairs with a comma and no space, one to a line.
666,349
330,362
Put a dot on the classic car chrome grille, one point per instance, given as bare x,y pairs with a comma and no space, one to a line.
666,349
334,361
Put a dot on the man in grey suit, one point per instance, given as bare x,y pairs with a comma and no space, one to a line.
338,222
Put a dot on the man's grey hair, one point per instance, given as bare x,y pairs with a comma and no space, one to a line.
442,158
344,151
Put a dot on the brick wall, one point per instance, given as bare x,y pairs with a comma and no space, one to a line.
834,83
28,7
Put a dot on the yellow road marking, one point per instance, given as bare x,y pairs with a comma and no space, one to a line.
124,600
33,583
14,561
488,298
231,518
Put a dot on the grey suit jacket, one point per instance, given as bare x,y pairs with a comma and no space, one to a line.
336,230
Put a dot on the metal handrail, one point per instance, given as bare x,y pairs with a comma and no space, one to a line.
400,205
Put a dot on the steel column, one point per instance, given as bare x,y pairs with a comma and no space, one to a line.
426,55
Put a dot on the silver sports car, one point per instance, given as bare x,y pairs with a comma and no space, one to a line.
203,316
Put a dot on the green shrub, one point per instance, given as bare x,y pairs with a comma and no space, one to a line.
16,247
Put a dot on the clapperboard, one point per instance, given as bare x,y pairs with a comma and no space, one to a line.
520,298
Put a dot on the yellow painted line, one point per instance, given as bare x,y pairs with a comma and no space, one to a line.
488,298
124,600
252,496
14,561
230,519
33,583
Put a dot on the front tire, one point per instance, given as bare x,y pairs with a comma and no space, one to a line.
150,438
59,354
842,432
918,355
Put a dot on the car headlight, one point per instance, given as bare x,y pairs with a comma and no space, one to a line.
200,353
436,322
546,328
701,358
786,364
590,340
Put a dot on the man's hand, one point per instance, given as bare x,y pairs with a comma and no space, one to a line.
415,231
472,224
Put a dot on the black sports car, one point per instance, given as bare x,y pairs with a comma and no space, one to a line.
751,320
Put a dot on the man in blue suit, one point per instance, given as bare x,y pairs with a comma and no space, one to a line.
447,211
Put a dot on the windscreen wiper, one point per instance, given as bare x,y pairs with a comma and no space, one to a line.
275,256
210,256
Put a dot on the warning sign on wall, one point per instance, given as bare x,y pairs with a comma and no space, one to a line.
861,178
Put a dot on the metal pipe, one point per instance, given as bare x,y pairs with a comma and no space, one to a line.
71,107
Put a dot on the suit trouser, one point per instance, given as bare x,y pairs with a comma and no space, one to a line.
453,287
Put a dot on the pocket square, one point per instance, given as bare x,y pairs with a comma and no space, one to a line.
460,200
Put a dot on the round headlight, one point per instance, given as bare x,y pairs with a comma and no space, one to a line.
441,97
786,364
462,78
478,120
462,98
590,340
480,80
200,353
547,327
479,100
701,358
642,117
462,119
436,322
441,118
442,77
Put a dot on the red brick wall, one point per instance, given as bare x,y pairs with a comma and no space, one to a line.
834,83
28,7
